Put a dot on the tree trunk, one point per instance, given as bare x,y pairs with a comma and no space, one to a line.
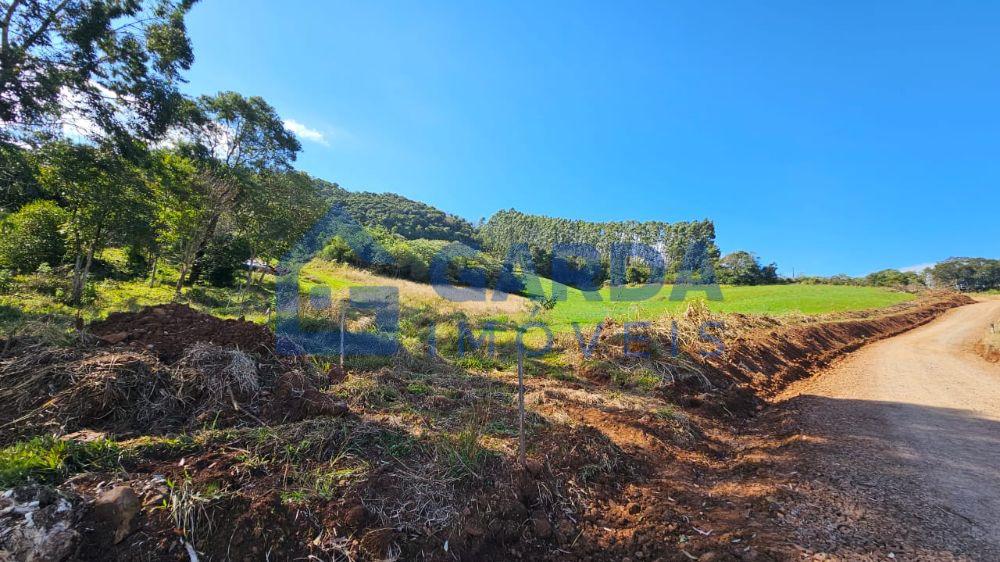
80,277
77,275
152,275
253,258
200,252
180,281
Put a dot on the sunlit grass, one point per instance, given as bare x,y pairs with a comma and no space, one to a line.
593,307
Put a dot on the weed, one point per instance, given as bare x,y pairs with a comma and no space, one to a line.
394,443
475,362
162,447
47,459
366,362
188,506
418,388
500,428
6,281
668,412
646,380
590,472
326,481
463,453
367,392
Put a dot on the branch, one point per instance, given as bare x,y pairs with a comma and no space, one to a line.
6,24
45,25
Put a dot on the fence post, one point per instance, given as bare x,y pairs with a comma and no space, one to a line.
520,400
342,315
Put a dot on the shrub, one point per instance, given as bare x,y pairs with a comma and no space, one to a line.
223,260
137,263
199,295
6,281
33,236
338,250
743,268
637,273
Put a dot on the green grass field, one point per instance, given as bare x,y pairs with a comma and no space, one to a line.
592,307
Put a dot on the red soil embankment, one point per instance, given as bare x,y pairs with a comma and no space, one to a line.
767,362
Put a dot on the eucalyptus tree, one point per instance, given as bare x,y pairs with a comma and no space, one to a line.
234,140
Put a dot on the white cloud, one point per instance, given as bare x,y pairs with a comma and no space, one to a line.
304,132
918,268
73,119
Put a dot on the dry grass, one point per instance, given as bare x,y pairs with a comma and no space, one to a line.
497,302
67,388
62,389
211,378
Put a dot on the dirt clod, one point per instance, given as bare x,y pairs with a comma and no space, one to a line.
541,526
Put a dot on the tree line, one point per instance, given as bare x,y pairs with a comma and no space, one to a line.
409,219
967,274
959,274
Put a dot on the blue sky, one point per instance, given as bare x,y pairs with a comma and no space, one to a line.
828,137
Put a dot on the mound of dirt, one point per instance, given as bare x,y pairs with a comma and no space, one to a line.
168,330
160,370
296,398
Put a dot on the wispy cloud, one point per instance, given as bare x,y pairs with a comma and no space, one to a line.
919,267
306,133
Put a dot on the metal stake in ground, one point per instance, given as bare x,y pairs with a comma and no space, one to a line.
520,398
343,313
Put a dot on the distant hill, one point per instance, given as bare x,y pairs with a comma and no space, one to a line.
414,220
397,214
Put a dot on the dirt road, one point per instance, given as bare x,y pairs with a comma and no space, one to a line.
899,447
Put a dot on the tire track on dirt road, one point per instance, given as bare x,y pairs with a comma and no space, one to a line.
899,449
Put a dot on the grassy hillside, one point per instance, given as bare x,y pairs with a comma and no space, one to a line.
37,294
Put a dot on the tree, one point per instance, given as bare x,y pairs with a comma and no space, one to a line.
399,215
274,212
104,195
18,177
743,268
338,250
967,274
233,140
112,63
185,204
233,134
505,229
33,236
893,278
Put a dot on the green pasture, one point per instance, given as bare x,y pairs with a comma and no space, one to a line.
589,308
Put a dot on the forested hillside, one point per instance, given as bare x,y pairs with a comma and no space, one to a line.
397,214
673,240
